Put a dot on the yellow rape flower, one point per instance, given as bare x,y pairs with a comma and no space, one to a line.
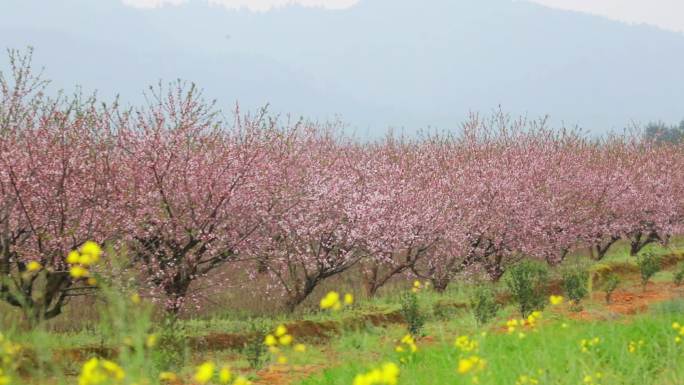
33,266
205,372
95,372
465,344
387,374
135,298
78,272
348,299
300,348
92,250
270,340
242,381
73,257
470,364
285,340
151,340
280,331
331,301
225,375
634,346
556,299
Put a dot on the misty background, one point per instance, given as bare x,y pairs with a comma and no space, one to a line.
377,64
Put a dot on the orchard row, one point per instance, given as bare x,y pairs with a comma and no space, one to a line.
184,194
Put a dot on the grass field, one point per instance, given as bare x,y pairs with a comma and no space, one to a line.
630,341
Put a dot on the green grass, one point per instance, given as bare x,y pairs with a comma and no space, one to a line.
551,354
352,347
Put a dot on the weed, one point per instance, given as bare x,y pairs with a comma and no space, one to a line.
410,310
575,282
609,286
649,264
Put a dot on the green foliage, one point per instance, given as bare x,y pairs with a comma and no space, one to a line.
173,351
649,264
679,275
609,286
410,310
483,304
527,282
255,351
575,284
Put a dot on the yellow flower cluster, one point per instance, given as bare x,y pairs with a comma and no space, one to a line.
471,365
96,372
592,379
332,301
680,329
513,324
556,300
281,338
387,374
466,345
206,372
533,318
33,266
526,380
88,255
418,286
8,350
406,348
634,346
587,345
4,378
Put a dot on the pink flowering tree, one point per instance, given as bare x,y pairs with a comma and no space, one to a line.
192,195
55,191
650,203
312,233
400,228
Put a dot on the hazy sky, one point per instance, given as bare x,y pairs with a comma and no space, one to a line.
667,14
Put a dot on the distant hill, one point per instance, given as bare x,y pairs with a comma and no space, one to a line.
381,63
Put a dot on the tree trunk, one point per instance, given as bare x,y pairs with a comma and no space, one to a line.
602,250
298,295
440,284
176,293
638,242
494,268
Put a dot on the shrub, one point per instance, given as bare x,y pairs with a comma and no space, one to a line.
527,283
173,351
575,283
483,305
410,310
609,286
649,264
679,275
255,351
